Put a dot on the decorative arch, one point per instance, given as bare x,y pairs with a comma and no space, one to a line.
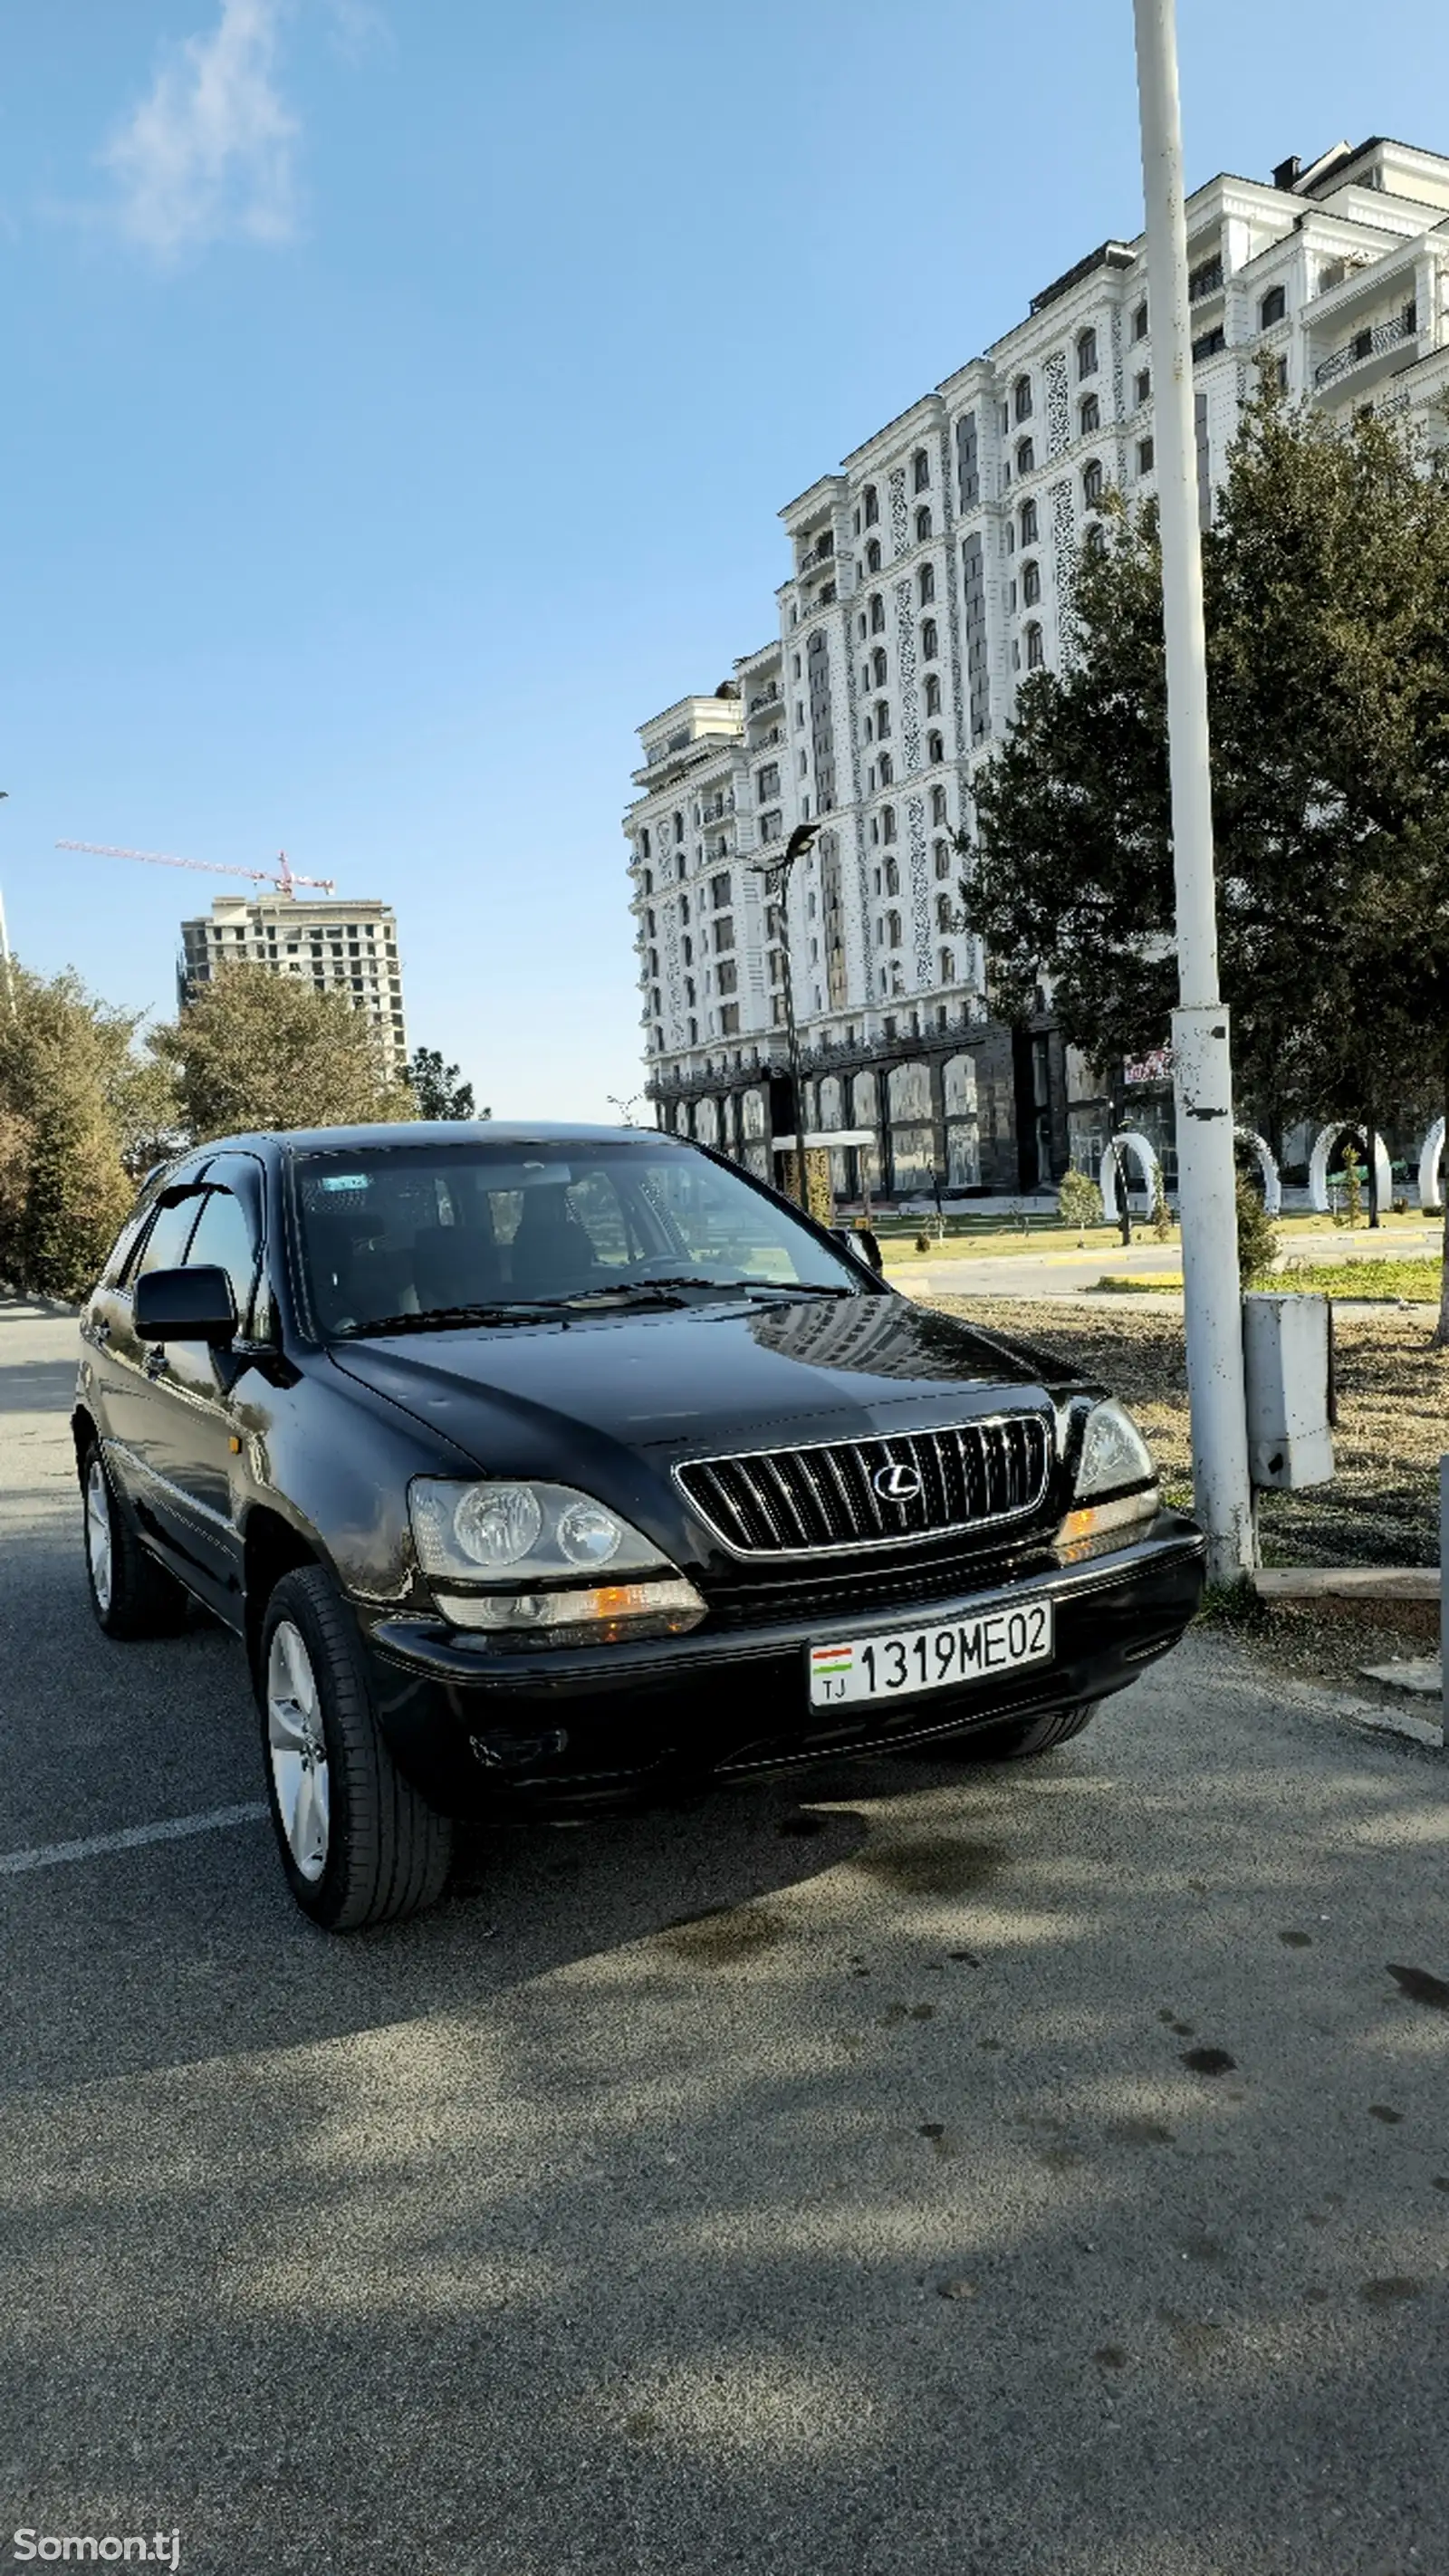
1430,1161
1324,1144
1138,1150
1272,1184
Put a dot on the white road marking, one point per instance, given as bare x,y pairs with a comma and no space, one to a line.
171,1829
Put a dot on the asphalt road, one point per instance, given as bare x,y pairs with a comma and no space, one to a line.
988,2170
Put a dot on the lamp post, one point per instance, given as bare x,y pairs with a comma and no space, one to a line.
1202,1071
780,870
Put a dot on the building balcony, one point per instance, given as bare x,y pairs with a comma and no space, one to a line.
1378,341
820,553
769,697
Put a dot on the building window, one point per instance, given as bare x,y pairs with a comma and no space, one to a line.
933,693
649,880
1272,308
694,1032
1092,482
767,782
770,825
888,822
1206,279
882,720
1094,540
878,665
686,946
923,526
644,845
887,770
724,935
1035,649
893,930
943,912
679,827
871,505
719,891
892,877
681,865
1145,454
1086,355
1089,416
653,961
729,1020
1028,523
1021,398
1139,323
1281,373
926,583
1030,583
1142,386
938,804
654,998
877,613
1209,344
1025,456
941,857
948,967
935,750
929,646
872,555
921,470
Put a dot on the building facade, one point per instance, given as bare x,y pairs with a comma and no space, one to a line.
928,575
347,948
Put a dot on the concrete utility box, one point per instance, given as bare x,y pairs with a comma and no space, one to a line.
1287,1354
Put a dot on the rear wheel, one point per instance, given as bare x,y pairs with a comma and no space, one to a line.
1022,1737
132,1596
359,1845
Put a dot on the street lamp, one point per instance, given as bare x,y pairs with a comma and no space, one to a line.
780,871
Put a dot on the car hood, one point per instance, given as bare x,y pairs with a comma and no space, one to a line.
702,1378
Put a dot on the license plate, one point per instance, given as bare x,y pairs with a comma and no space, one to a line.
943,1656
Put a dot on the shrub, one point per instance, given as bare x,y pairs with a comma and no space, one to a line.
1257,1236
1079,1201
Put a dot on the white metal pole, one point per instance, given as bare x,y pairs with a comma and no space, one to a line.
1202,1065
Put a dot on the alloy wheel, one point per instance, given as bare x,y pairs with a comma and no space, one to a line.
98,1535
298,1749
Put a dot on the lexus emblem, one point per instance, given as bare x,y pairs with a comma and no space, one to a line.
896,1483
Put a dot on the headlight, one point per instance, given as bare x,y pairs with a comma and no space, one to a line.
1114,1453
526,1532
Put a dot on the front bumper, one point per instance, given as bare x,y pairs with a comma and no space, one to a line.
473,1723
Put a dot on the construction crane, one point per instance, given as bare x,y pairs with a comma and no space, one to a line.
285,879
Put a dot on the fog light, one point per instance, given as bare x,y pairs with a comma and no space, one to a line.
601,1613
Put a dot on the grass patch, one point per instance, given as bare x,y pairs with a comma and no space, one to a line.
1168,1284
1419,1281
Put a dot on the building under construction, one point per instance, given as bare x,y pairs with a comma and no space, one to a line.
342,947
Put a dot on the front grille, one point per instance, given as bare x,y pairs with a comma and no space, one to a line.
805,1502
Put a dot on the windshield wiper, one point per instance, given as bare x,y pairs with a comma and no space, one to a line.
441,1319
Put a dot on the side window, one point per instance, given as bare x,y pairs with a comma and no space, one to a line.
224,1238
595,1201
165,1245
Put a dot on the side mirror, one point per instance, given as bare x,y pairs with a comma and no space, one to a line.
186,1306
861,1244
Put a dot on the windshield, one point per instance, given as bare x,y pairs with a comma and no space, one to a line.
395,1234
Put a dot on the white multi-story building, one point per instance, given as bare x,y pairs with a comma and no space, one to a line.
928,574
347,948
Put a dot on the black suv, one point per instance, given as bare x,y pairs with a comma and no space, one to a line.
552,1464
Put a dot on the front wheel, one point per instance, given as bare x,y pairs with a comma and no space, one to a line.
359,1845
132,1596
1022,1737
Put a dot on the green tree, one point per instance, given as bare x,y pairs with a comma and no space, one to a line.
257,1050
1325,575
436,1088
1257,1235
64,1188
1079,1201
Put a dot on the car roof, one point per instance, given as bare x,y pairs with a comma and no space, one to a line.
438,1131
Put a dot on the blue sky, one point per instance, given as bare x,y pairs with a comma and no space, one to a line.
399,394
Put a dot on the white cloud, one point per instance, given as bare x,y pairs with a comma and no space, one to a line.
208,156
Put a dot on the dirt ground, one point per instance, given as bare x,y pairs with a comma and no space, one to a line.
1382,1507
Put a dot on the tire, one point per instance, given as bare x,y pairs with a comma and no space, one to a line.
1021,1740
358,1844
131,1595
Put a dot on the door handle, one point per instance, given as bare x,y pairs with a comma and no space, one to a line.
156,1361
